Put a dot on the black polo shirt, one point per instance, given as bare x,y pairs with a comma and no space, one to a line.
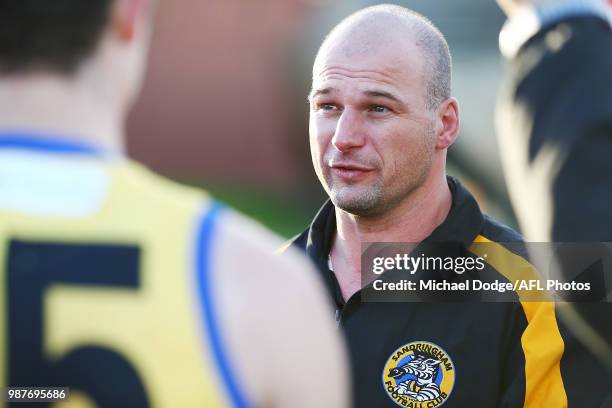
456,354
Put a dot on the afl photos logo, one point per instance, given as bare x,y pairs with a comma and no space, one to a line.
419,375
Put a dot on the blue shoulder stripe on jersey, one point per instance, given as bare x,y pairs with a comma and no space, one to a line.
204,257
46,143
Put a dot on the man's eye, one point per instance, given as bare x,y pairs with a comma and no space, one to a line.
379,109
327,107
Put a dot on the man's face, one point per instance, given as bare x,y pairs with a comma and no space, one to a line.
371,136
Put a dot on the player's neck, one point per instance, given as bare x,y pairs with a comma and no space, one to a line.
52,106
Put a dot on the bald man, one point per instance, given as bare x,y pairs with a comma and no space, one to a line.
381,121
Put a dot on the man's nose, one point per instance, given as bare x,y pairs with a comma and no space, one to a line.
349,132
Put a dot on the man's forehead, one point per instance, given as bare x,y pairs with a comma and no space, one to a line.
336,74
354,86
386,72
386,62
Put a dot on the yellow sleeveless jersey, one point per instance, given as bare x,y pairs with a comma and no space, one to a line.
105,283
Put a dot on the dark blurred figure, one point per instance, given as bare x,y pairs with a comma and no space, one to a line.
555,128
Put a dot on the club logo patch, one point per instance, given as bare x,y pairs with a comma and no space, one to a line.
419,375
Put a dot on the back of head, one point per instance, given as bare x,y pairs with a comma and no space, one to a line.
49,35
59,53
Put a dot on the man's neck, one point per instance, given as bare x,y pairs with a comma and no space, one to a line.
51,105
413,220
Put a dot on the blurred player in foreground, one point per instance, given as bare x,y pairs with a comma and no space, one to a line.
129,289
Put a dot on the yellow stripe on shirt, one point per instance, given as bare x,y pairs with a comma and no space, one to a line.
541,341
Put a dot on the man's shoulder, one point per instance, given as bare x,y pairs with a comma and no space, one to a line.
133,179
298,242
243,232
496,231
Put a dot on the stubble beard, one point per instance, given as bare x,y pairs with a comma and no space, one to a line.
360,201
375,200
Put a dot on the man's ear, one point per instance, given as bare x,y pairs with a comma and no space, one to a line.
127,14
447,123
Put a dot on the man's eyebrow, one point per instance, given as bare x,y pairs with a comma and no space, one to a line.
372,93
316,92
382,94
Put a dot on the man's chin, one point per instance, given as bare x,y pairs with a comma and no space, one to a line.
360,206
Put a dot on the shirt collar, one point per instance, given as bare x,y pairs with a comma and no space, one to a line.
464,220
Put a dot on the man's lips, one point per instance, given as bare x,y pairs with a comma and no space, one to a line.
350,166
350,170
